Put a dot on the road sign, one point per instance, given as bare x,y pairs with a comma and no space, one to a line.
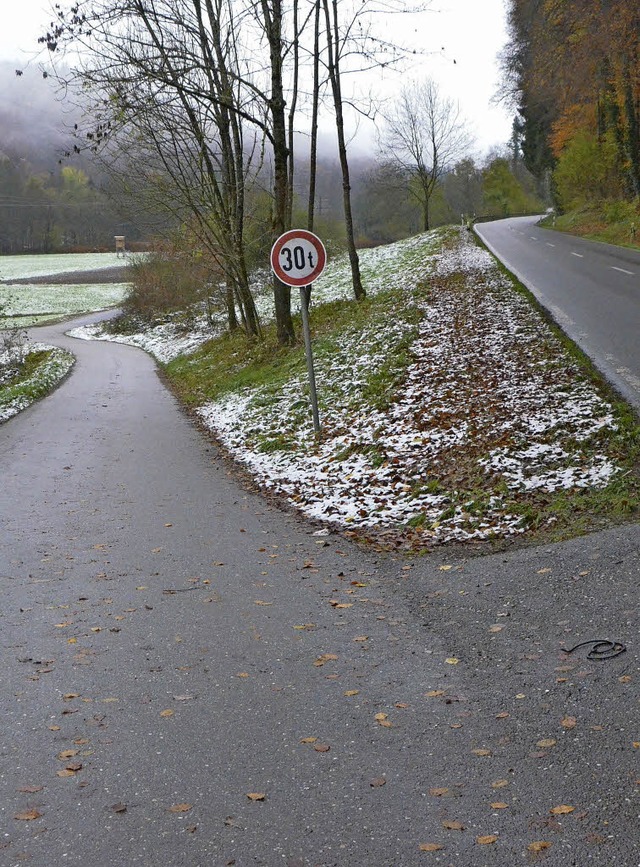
298,257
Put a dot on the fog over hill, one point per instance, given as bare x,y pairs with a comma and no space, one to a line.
35,124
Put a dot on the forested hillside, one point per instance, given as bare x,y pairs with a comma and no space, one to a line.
47,200
573,70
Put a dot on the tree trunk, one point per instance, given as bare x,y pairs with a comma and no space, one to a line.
333,66
281,293
313,152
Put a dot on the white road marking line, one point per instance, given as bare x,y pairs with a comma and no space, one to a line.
533,237
550,245
579,255
623,270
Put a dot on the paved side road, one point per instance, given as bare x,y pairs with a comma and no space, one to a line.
591,289
172,644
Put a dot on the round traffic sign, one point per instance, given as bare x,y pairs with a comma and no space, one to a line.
298,257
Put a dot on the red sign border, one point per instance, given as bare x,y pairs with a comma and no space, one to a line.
275,257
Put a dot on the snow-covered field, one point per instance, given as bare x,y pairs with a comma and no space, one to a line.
22,267
490,409
27,304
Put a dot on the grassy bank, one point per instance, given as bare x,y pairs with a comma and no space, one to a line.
43,369
613,222
451,410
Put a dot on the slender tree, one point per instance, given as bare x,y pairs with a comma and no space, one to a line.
425,135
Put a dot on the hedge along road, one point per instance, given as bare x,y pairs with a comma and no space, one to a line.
591,289
191,677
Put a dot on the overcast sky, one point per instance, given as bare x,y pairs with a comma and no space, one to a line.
469,32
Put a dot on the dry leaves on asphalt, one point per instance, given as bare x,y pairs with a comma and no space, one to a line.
180,808
28,815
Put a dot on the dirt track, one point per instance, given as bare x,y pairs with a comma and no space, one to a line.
117,274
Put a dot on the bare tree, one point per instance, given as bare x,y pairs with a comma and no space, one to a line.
425,135
185,78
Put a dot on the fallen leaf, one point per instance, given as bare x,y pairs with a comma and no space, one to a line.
496,629
361,638
305,626
308,740
167,712
562,810
28,815
452,660
261,602
180,808
380,716
569,722
65,772
439,792
256,796
499,784
452,825
481,752
325,657
445,568
351,692
486,840
119,808
539,846
377,782
546,742
430,847
67,754
322,748
434,693
499,805
503,715
30,790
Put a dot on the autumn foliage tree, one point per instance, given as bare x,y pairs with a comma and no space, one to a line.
572,67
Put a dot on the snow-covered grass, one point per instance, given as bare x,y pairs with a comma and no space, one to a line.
28,304
44,368
488,422
165,341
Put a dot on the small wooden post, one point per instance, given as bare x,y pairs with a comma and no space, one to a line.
120,248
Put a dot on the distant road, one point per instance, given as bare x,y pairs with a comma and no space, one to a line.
591,289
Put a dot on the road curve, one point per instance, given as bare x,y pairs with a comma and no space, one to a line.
591,289
170,645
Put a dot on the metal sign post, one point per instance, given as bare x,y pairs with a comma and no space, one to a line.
297,258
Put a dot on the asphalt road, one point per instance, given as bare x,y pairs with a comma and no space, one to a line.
171,643
591,289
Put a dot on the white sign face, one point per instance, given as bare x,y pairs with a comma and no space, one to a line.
298,257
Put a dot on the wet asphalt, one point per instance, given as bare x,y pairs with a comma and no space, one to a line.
173,643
